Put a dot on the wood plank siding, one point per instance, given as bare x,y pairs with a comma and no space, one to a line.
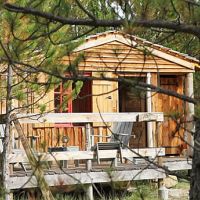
48,135
116,57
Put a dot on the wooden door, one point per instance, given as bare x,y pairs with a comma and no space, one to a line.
104,98
133,100
172,108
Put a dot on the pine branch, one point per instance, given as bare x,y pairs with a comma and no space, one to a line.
178,27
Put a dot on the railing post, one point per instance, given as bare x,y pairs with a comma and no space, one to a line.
89,187
100,134
88,137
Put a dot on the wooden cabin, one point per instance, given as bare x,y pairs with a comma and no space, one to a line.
116,57
115,54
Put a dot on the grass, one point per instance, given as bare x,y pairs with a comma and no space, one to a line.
182,184
146,191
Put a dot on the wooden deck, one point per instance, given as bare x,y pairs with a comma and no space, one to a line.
58,177
80,167
103,173
177,163
80,175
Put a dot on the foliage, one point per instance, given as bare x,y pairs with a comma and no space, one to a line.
2,193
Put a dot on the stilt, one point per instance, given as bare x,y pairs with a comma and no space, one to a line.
9,196
89,192
89,187
163,192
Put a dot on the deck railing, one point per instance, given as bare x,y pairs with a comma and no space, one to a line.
86,157
51,130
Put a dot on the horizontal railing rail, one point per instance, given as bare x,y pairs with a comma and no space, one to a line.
90,117
18,157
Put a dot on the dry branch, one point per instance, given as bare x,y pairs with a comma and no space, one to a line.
178,27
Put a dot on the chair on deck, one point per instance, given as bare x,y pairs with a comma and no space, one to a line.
121,133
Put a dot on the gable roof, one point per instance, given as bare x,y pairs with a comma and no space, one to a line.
140,44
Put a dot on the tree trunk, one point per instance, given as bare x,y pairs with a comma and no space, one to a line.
36,166
7,136
195,173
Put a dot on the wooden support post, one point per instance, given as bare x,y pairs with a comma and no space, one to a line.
89,165
89,187
88,137
189,91
100,134
149,109
89,192
162,190
114,162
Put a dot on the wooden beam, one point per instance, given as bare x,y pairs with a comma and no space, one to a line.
72,155
88,136
87,178
88,117
162,69
143,152
150,117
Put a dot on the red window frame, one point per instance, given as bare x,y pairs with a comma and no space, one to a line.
61,92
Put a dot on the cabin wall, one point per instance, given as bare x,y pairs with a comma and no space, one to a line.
42,137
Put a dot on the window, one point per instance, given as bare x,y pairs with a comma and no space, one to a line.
83,102
62,102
